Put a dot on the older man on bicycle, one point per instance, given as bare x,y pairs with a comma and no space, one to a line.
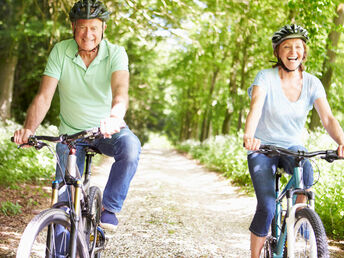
92,78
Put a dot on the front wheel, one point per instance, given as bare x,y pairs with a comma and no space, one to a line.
310,236
95,240
47,235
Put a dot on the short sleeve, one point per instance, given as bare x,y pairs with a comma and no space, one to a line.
318,90
119,60
260,81
53,67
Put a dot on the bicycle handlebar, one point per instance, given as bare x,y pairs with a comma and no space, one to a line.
36,141
271,150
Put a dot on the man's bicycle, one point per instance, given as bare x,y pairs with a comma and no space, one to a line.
71,228
296,231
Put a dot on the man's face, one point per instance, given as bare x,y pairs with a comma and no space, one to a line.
88,33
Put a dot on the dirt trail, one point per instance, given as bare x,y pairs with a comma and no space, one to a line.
176,208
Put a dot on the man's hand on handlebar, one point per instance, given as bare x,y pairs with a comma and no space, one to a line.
110,126
21,136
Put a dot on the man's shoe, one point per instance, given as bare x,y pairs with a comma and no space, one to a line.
108,221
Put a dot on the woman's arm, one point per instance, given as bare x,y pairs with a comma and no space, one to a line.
330,123
256,106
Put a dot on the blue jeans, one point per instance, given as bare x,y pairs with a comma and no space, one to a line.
125,147
262,170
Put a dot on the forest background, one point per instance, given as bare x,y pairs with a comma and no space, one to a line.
191,62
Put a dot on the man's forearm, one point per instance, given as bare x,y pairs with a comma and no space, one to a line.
36,113
119,107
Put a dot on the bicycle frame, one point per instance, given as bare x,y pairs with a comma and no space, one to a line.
73,177
293,188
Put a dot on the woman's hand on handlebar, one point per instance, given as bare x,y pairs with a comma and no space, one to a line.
21,136
340,151
251,143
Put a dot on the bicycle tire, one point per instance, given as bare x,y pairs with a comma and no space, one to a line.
33,242
93,220
267,251
310,235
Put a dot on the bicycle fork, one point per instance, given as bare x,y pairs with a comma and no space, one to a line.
292,207
287,229
74,179
74,215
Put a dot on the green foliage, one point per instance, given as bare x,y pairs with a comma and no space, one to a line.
9,208
27,164
226,154
329,189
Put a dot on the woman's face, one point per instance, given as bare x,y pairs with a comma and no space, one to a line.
291,52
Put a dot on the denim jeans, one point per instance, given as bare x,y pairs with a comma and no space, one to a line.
125,147
262,170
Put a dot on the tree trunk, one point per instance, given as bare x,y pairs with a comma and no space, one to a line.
207,113
232,91
243,80
327,73
7,69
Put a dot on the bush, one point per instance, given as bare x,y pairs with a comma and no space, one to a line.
329,189
27,164
9,208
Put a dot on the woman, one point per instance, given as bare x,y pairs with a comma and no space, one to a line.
281,98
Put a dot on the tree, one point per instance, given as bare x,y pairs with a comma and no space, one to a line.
330,60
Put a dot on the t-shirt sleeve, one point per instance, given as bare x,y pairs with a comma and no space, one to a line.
53,67
119,60
259,81
318,90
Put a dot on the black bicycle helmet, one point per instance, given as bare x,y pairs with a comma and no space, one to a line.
289,32
89,9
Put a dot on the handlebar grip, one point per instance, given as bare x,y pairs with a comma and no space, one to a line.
12,139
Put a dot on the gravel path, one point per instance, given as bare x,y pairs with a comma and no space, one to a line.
176,208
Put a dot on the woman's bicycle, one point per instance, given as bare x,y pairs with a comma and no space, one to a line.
71,228
296,231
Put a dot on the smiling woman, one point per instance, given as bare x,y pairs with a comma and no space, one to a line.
281,98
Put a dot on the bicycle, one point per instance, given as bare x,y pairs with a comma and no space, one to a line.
69,229
296,231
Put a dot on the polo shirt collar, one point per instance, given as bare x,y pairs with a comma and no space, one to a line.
72,50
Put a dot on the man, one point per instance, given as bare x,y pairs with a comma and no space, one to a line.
92,77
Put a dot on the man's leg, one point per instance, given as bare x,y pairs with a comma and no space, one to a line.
125,147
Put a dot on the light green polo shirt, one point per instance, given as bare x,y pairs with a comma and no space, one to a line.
85,93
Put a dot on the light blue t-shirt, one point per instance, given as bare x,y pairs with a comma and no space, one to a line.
282,121
85,92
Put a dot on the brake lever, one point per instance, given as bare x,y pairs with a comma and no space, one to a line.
39,145
331,156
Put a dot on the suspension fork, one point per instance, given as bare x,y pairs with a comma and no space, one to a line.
75,195
75,216
278,207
